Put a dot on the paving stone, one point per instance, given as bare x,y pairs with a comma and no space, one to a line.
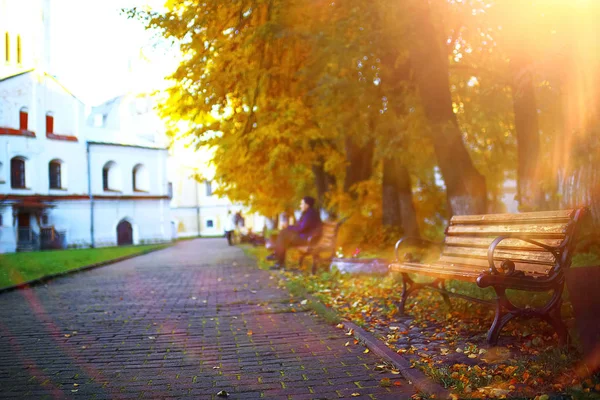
185,322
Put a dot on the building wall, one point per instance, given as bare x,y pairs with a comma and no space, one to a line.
149,219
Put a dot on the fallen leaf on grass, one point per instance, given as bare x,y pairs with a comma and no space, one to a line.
303,302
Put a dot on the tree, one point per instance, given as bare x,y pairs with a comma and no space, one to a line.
466,187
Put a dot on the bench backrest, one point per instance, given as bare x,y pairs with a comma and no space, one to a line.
468,238
328,235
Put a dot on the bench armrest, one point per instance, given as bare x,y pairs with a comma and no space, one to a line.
415,240
508,265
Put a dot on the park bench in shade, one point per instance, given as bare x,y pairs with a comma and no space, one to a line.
322,247
528,251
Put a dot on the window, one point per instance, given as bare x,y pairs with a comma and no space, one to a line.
105,178
7,47
209,223
19,59
208,188
111,177
49,123
17,173
23,119
141,183
55,175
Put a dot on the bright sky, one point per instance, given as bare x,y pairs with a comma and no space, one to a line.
96,51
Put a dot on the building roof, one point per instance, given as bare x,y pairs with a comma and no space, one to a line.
16,75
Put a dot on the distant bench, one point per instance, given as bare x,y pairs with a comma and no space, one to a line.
321,247
527,251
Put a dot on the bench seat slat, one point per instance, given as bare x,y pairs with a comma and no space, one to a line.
555,230
512,244
535,257
544,216
483,265
443,270
468,275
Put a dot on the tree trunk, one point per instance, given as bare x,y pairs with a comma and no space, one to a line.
466,189
323,182
398,208
530,194
360,163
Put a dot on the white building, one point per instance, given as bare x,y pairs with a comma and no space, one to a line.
195,209
63,183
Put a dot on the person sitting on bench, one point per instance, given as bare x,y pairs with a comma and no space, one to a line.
297,235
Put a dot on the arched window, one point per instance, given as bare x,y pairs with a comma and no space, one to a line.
19,55
111,177
49,122
55,171
23,119
141,183
17,173
6,47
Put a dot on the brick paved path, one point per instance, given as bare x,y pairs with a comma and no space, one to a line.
185,322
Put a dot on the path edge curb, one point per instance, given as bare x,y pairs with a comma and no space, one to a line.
414,376
46,278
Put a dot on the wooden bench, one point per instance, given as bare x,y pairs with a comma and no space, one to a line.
323,244
528,251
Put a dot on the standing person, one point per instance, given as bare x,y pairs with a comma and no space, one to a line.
230,225
308,225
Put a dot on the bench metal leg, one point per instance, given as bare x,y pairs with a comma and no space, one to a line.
442,286
409,286
505,311
315,263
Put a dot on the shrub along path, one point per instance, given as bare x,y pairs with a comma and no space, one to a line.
189,321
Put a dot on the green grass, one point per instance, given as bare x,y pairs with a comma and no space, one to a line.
16,268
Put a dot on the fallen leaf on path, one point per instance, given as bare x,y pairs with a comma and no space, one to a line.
250,333
223,393
385,382
340,326
366,351
355,394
